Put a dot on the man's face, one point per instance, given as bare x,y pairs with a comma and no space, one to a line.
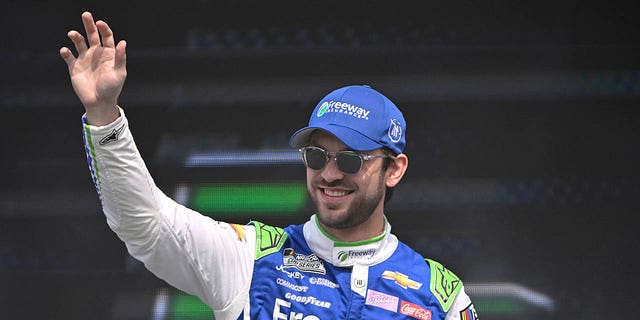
344,201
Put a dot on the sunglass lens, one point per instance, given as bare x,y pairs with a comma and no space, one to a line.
349,163
316,158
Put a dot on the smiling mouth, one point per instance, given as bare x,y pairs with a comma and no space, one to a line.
335,193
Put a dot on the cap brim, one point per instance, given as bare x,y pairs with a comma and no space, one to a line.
351,138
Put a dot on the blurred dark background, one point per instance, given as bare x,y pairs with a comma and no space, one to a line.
523,134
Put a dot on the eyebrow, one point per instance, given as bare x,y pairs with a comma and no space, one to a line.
316,144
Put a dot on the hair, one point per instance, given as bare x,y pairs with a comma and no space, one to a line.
385,165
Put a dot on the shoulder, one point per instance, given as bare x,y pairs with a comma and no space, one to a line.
269,239
443,283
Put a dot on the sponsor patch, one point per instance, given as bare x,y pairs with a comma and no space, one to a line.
344,108
239,231
356,254
282,310
415,311
307,300
395,131
469,313
323,282
289,273
401,279
305,263
113,136
382,300
291,286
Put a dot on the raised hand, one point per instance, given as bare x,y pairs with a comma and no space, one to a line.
99,71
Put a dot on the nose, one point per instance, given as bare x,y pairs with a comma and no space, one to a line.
331,172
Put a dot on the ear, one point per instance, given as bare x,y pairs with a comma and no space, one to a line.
396,170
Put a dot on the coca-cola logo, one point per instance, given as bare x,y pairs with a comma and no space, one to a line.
415,311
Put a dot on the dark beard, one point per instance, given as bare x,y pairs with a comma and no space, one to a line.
359,211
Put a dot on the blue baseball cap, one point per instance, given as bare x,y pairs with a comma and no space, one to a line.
359,116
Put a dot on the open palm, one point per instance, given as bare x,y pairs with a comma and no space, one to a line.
99,71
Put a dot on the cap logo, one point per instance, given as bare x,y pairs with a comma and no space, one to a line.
395,131
323,109
344,108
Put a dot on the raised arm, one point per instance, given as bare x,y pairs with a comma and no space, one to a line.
99,71
192,252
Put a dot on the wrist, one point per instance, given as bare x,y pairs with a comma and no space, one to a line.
102,116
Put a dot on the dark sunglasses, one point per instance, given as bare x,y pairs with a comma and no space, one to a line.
349,162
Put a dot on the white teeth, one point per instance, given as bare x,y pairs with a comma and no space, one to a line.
335,193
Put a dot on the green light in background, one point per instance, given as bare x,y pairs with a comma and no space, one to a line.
250,198
184,306
509,299
500,306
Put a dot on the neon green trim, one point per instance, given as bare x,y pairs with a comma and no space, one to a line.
92,150
338,243
444,284
326,234
268,239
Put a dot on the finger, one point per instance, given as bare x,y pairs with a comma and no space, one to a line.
90,28
106,34
78,41
121,55
67,56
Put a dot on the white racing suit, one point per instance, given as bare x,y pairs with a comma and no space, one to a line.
257,271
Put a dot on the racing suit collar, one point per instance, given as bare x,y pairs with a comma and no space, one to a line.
346,254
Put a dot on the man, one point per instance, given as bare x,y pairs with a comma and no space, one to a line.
342,264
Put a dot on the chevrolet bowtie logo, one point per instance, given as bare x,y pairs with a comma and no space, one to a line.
401,279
